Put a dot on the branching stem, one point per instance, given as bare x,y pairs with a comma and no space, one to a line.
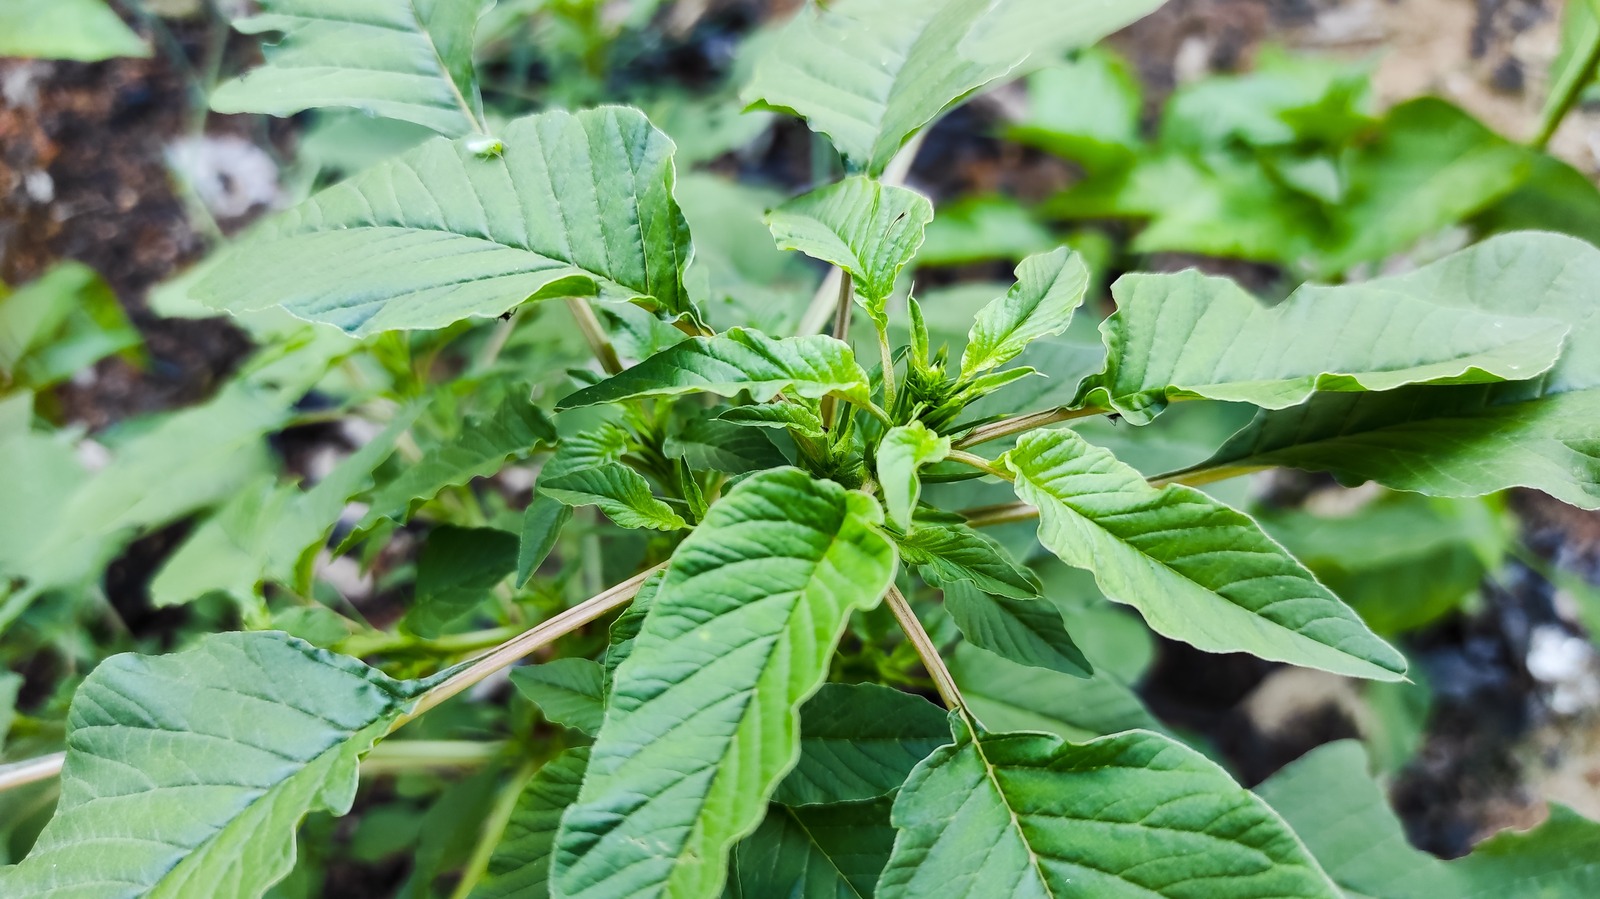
1017,425
927,651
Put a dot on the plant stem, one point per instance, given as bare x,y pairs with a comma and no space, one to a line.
1005,513
980,463
363,645
507,653
497,341
29,771
1008,426
887,356
843,304
494,827
1569,90
1199,475
595,333
943,681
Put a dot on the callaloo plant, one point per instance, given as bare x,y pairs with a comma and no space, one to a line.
835,671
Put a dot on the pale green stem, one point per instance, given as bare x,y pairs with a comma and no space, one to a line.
494,828
980,463
595,333
841,329
1572,89
927,651
1199,476
887,357
1008,426
22,773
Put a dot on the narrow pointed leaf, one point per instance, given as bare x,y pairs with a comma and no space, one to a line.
1199,571
1049,288
1131,815
577,204
859,742
702,719
570,692
400,59
1188,335
620,492
816,852
1472,440
733,362
901,454
1006,695
625,630
187,774
868,228
542,522
946,554
1026,631
520,865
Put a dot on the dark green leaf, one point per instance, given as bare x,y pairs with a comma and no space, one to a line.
520,866
951,553
713,444
455,571
541,527
1008,696
858,742
815,852
570,692
1022,630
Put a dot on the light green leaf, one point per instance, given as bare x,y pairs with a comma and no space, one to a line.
1022,630
187,774
1049,288
859,742
1574,67
1009,696
871,73
1131,815
982,228
815,852
1474,440
733,362
456,570
577,204
85,30
620,492
946,554
541,527
902,452
793,416
400,59
1188,335
702,719
1087,110
717,445
520,865
10,683
868,228
1162,552
570,692
58,325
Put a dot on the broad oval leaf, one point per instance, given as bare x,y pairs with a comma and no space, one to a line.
1027,631
1199,571
1134,815
400,59
735,361
1189,335
813,852
702,722
187,774
620,492
901,454
1049,288
948,553
859,742
577,204
520,865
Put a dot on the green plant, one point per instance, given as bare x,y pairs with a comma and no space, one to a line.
784,517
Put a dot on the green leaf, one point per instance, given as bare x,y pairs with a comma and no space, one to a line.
1006,695
871,73
983,228
400,59
1188,335
1163,552
868,228
570,692
713,444
10,684
514,430
1574,67
902,452
739,635
946,554
796,418
1464,441
1022,630
455,571
520,865
577,204
187,774
859,742
85,30
734,362
815,852
620,492
625,630
1087,110
541,528
58,325
1131,815
1049,288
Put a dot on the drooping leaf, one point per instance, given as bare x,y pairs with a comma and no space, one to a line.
84,30
520,865
902,453
187,774
859,742
1163,552
1006,695
946,554
1189,335
738,636
570,692
1131,815
814,852
717,445
456,570
620,492
871,73
577,204
733,362
1028,631
1049,288
1472,440
542,522
400,59
868,228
